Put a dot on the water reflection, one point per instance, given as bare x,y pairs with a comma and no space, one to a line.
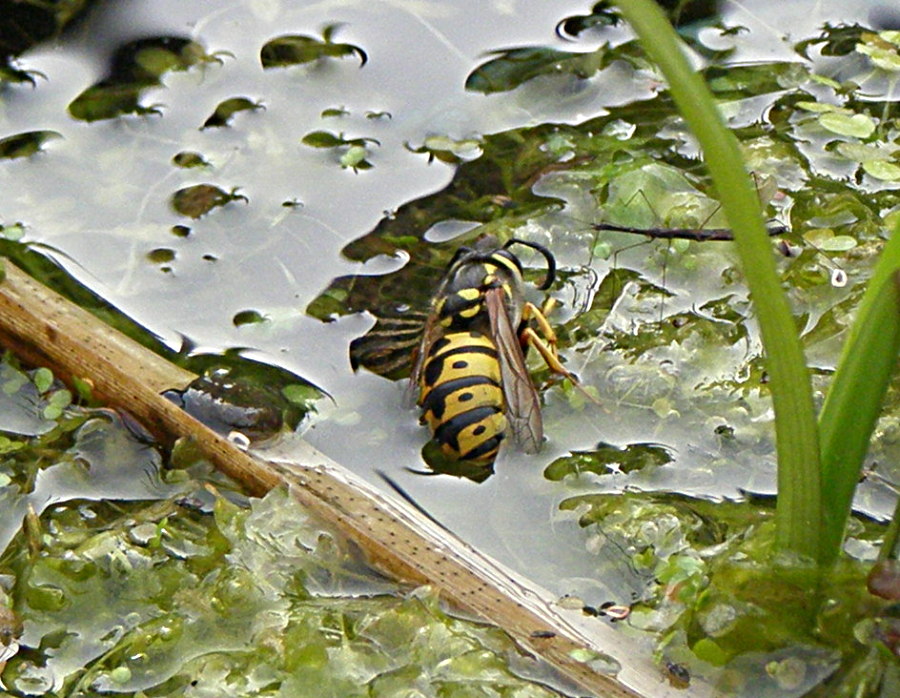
273,216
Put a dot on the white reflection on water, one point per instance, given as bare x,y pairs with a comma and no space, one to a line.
101,195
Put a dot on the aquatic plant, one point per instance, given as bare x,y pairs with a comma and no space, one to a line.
818,463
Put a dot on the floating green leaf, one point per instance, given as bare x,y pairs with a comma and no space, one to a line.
858,125
863,152
821,107
607,458
355,158
189,159
322,139
248,317
133,68
824,239
883,49
199,199
57,402
161,255
303,396
511,68
13,233
228,108
882,169
43,379
296,49
22,145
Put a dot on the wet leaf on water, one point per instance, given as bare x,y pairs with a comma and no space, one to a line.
43,379
883,49
857,125
355,149
57,402
322,139
607,459
199,199
188,159
882,169
250,593
8,445
228,108
708,651
737,81
833,40
511,68
355,158
825,239
13,233
26,24
302,395
22,145
9,73
449,150
864,152
326,139
297,49
235,380
161,255
822,107
104,101
248,317
226,401
134,67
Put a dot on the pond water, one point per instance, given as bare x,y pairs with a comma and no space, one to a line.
662,332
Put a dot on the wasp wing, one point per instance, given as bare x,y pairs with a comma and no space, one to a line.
523,408
431,332
388,348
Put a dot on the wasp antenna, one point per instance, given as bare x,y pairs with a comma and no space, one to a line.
407,497
547,254
461,252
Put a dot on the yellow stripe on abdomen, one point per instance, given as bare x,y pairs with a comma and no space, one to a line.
461,397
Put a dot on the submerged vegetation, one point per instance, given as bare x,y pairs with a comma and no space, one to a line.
139,577
709,595
672,478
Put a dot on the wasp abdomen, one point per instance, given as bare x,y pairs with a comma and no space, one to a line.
473,436
462,398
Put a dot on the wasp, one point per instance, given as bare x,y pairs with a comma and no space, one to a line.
470,375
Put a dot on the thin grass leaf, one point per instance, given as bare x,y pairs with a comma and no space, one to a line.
857,391
799,493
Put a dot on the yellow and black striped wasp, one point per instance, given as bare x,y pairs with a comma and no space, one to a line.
469,371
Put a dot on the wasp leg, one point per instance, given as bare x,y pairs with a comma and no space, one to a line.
543,338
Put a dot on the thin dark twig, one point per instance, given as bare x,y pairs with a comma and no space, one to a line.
698,234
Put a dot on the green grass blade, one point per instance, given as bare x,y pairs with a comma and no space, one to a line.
799,493
857,391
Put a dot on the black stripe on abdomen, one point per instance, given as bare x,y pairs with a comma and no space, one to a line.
448,432
435,365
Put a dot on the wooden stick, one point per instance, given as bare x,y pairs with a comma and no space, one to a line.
44,328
